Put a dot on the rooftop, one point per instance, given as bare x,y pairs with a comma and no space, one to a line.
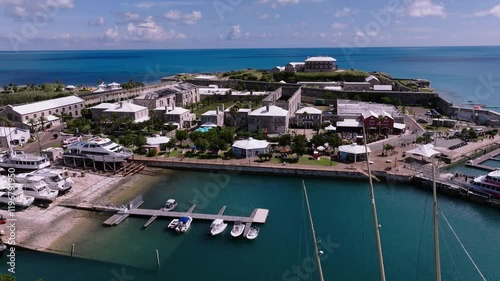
119,107
46,105
382,87
353,108
311,59
273,111
349,123
309,110
211,113
177,111
10,131
250,143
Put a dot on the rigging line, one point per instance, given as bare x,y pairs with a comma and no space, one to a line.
421,236
463,247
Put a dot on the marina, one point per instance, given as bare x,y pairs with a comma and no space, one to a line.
480,163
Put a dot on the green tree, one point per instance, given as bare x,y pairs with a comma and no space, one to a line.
171,144
193,136
5,277
139,141
181,135
201,144
318,140
333,140
42,121
227,135
388,147
285,140
234,111
299,144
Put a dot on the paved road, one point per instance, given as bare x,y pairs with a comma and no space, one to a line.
46,140
396,141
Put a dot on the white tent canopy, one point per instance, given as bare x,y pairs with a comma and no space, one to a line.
330,128
353,149
426,150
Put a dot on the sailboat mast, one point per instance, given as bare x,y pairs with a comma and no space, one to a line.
436,229
374,209
321,278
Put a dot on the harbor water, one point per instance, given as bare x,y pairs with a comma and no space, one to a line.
283,250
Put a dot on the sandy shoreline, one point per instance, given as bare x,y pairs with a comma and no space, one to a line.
54,229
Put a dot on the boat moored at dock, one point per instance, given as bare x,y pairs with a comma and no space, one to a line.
487,184
173,224
238,229
184,224
170,205
253,233
218,226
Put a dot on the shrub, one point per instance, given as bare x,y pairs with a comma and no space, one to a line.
152,152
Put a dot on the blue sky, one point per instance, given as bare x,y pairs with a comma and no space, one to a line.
196,24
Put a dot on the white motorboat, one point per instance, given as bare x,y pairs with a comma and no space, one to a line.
13,192
238,229
22,161
253,232
173,224
35,186
55,179
218,226
170,205
99,149
184,224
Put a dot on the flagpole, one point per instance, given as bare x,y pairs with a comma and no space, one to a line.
374,209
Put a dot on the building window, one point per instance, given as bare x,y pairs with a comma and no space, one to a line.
34,115
26,117
50,112
43,113
57,110
76,113
70,107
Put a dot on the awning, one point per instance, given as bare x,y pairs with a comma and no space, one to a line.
399,126
330,128
426,150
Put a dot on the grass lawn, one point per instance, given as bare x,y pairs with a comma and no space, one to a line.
304,160
174,153
212,106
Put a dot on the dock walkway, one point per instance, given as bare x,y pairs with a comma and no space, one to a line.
476,163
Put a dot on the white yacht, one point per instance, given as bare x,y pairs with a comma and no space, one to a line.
218,226
170,205
13,192
173,224
23,161
55,178
253,232
99,149
487,184
35,186
184,224
238,229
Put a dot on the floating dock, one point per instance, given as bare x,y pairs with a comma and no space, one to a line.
132,209
476,163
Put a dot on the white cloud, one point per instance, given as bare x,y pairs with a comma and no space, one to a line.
495,11
65,4
132,16
175,16
148,30
100,21
338,25
263,16
111,34
29,9
235,33
425,8
276,3
144,5
344,12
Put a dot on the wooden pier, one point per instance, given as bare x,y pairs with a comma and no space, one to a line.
476,163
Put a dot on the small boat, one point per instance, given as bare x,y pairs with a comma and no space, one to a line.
3,220
184,224
170,205
253,232
173,224
238,229
217,227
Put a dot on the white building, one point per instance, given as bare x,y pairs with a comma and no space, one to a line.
180,117
382,87
123,110
213,116
372,80
295,66
22,114
278,69
10,136
320,64
308,117
250,148
273,119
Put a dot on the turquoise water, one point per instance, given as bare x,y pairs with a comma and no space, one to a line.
459,73
491,163
343,223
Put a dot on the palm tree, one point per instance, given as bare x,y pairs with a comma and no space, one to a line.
234,111
116,120
128,123
304,117
42,121
32,124
380,120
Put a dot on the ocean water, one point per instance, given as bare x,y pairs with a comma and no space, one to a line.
343,221
459,73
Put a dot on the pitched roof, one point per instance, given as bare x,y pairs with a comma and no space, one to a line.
310,110
273,111
46,105
177,111
354,149
250,143
124,107
370,78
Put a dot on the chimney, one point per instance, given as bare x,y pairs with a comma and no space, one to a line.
121,104
250,105
222,107
166,108
267,108
217,111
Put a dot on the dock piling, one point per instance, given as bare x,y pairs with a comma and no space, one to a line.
157,259
72,249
